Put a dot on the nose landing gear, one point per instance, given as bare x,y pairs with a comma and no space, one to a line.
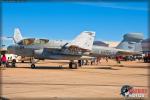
32,66
33,61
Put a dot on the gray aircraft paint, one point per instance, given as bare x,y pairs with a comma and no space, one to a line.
53,49
58,49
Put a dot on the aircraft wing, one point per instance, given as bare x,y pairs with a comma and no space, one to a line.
83,42
87,57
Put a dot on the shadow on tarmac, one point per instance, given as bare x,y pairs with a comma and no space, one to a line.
43,67
108,68
61,67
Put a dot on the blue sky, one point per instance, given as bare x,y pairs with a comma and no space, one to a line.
65,20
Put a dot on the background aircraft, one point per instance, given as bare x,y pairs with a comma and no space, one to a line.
80,48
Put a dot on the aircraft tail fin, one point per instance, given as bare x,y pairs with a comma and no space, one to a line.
131,42
130,46
17,35
83,41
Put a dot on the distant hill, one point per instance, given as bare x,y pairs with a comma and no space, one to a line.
100,43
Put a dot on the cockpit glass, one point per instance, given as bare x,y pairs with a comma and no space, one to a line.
41,41
33,41
29,41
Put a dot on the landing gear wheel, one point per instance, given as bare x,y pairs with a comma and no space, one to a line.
7,64
13,63
79,63
70,65
32,66
73,65
22,61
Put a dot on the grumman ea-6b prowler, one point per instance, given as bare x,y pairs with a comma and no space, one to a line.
77,49
81,48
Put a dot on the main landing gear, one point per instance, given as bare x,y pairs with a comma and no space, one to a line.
13,63
73,65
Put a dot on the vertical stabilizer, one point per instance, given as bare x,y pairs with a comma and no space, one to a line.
17,35
131,42
84,40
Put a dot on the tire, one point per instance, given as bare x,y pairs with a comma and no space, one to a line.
7,64
74,66
22,61
70,65
32,66
13,63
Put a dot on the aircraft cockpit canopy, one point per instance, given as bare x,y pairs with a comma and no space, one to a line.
32,41
42,41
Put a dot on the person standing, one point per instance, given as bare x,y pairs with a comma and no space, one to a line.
4,60
118,59
0,59
106,59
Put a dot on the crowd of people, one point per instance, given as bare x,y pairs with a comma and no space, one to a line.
5,61
93,61
146,58
119,59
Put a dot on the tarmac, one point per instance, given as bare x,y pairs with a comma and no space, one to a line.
53,79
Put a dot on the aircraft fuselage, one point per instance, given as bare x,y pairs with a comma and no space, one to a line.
55,50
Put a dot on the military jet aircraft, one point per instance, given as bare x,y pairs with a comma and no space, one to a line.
76,49
130,45
80,48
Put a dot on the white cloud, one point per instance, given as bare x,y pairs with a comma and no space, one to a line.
115,6
3,38
5,41
125,8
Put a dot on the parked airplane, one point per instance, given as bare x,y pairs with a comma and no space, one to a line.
130,45
80,48
53,49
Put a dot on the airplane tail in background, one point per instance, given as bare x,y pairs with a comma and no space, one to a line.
17,35
131,46
83,41
131,42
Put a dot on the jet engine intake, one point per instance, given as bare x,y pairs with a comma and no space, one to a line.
38,54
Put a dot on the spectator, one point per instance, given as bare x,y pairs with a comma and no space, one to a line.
3,60
118,59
